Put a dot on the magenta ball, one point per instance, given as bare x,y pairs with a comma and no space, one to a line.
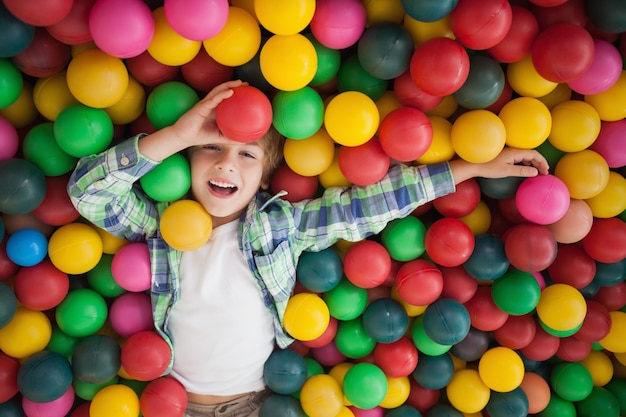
605,70
196,19
130,313
131,267
56,408
338,24
121,28
543,199
611,143
9,140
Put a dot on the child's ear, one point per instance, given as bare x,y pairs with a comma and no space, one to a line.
265,185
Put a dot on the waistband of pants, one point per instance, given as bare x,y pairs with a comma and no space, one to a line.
256,397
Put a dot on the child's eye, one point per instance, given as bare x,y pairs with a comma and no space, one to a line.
211,147
248,154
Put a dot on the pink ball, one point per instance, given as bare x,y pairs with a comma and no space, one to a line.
131,267
543,199
9,140
121,28
197,20
56,408
611,143
372,412
338,24
328,355
130,313
605,70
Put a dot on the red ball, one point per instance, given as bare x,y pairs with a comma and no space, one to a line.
56,209
517,332
44,57
606,241
542,347
163,397
519,40
409,94
73,29
449,242
439,66
298,186
325,338
484,313
145,355
563,52
572,349
397,359
419,282
7,267
507,208
481,24
597,322
8,377
246,115
405,134
612,297
572,11
572,266
203,72
150,72
421,398
39,12
82,410
461,202
364,164
41,287
458,284
530,247
367,264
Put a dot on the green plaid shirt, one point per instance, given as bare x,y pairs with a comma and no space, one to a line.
273,233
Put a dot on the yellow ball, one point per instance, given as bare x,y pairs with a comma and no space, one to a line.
561,307
351,118
422,31
387,103
51,95
97,79
167,46
383,11
115,400
186,225
321,396
22,112
599,366
238,41
585,173
575,126
526,81
130,106
306,316
288,62
479,219
411,310
467,392
28,332
610,103
527,122
611,201
561,93
110,244
398,390
340,370
75,248
501,369
440,149
615,341
446,108
478,136
284,17
310,156
333,176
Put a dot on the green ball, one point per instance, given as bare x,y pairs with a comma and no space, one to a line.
168,181
404,238
81,130
8,304
41,148
618,388
600,403
571,381
11,83
297,114
100,278
345,301
168,101
385,50
558,407
424,343
82,313
516,292
328,62
365,385
552,154
96,359
352,340
22,186
87,391
313,367
353,77
61,342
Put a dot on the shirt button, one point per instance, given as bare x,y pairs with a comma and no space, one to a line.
98,186
124,161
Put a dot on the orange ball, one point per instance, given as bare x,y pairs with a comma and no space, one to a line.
537,390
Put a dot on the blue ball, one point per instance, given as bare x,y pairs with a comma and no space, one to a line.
385,320
446,321
320,271
488,260
8,304
434,372
44,376
285,371
27,247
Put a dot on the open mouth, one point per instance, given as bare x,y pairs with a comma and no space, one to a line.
222,188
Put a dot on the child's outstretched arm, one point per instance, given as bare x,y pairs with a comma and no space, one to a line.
511,162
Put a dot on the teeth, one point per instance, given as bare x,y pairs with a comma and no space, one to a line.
222,184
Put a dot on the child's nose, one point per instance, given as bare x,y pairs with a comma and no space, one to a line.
227,161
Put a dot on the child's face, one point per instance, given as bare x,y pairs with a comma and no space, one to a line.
225,176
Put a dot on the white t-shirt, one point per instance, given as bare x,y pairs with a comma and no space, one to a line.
221,330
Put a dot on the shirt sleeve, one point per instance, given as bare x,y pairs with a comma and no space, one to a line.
356,213
104,190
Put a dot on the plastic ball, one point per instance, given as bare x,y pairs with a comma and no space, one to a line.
321,395
446,321
168,101
516,292
613,342
575,224
367,264
407,93
149,72
169,181
428,11
45,56
365,385
384,50
23,186
185,225
27,247
559,407
600,401
575,126
396,359
525,80
285,371
352,159
8,376
39,13
96,359
478,136
527,121
385,320
166,45
352,340
501,369
346,301
28,332
309,156
530,247
131,267
101,279
82,313
288,62
130,313
16,33
338,24
115,400
319,271
145,355
75,248
285,18
404,238
306,316
419,282
537,391
484,84
550,191
467,392
51,95
472,347
606,241
609,143
351,118
203,73
10,140
9,305
297,114
238,41
611,201
571,381
130,106
328,355
434,372
607,102
44,377
461,202
604,71
449,242
81,130
572,266
561,307
163,397
196,20
480,25
41,287
484,313
439,66
299,187
488,260
518,41
41,147
508,404
56,209
247,103
405,134
424,343
600,366
440,149
353,77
